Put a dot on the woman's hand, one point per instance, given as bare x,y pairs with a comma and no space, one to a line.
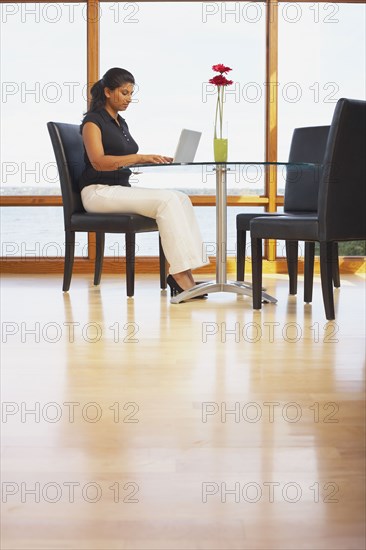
155,159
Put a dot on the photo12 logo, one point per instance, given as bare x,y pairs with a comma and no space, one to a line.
68,491
269,331
289,92
49,92
269,411
269,491
256,12
69,13
69,331
68,411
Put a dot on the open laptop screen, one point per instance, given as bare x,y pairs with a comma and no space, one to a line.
187,146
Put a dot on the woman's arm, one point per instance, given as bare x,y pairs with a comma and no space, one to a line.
92,138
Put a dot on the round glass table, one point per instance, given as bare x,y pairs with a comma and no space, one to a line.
220,284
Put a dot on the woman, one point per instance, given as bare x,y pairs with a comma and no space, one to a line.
104,184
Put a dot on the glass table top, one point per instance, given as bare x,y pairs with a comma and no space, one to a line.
212,166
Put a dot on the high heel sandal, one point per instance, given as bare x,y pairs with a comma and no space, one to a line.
176,289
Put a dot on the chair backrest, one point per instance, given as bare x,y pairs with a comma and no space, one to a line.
342,190
69,152
302,184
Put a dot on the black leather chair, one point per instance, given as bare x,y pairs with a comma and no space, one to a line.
69,152
341,208
300,197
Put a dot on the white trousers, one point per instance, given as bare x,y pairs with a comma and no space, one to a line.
173,211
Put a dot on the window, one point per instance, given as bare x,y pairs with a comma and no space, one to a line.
43,54
170,48
321,58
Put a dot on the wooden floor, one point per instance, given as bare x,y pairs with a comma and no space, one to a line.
137,424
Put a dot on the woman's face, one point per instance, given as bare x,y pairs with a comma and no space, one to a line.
120,98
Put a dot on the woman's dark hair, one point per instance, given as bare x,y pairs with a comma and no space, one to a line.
114,78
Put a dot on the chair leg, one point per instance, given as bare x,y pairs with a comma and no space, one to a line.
309,271
335,266
69,259
257,273
326,278
162,265
130,263
240,254
292,253
100,240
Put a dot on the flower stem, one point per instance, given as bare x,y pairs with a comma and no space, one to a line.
221,101
217,108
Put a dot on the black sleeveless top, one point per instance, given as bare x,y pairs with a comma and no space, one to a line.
116,140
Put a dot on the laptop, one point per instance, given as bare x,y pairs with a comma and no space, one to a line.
187,146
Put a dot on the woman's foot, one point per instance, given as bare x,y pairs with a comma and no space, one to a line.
175,287
184,279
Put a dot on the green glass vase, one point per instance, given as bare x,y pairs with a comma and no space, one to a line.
220,149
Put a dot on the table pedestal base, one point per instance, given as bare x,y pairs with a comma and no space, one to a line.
238,287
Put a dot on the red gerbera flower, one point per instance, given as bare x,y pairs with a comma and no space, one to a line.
220,68
220,80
